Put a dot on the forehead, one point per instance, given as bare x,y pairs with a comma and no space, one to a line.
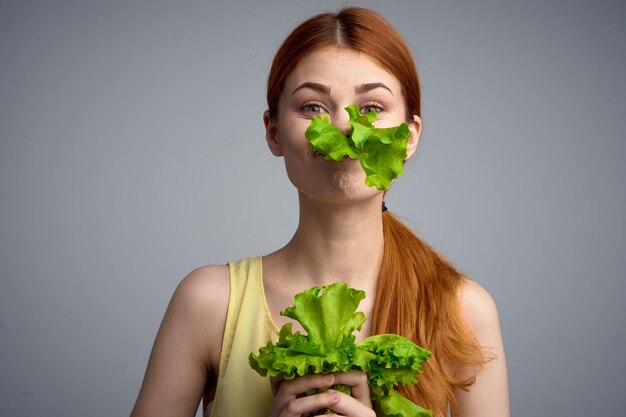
340,68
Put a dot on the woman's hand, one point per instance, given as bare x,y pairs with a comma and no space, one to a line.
289,399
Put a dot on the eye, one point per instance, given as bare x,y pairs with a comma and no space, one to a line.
368,107
314,107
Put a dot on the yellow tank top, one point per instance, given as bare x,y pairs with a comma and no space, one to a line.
241,392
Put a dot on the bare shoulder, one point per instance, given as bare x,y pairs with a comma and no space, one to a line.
480,310
489,395
186,350
206,287
202,298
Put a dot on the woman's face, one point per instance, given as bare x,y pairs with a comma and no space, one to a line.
327,81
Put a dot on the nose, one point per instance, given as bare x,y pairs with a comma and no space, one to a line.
340,121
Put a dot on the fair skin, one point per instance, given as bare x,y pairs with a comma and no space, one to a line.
330,244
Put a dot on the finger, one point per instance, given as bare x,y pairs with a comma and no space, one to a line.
296,386
352,407
275,383
309,404
357,381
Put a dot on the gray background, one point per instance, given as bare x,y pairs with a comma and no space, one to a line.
132,151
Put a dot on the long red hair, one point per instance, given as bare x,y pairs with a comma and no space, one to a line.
417,294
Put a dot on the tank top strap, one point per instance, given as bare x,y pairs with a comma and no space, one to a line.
249,326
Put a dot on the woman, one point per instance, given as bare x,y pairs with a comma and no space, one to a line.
219,314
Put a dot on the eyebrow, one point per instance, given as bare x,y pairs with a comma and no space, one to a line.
320,88
324,89
364,88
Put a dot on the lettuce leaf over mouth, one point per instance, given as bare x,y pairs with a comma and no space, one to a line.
328,314
381,151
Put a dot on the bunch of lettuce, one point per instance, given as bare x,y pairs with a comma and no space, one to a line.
328,314
381,151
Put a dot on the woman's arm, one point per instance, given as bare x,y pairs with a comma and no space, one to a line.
489,396
187,347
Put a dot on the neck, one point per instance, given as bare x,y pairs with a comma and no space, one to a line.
338,242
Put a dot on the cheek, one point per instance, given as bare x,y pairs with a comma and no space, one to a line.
292,140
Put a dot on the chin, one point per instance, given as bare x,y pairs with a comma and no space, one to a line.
350,186
339,182
346,181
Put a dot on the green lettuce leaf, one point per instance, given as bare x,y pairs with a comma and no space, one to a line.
328,140
396,360
381,151
328,314
395,404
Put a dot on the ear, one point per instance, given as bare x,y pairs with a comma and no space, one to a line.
271,134
415,129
